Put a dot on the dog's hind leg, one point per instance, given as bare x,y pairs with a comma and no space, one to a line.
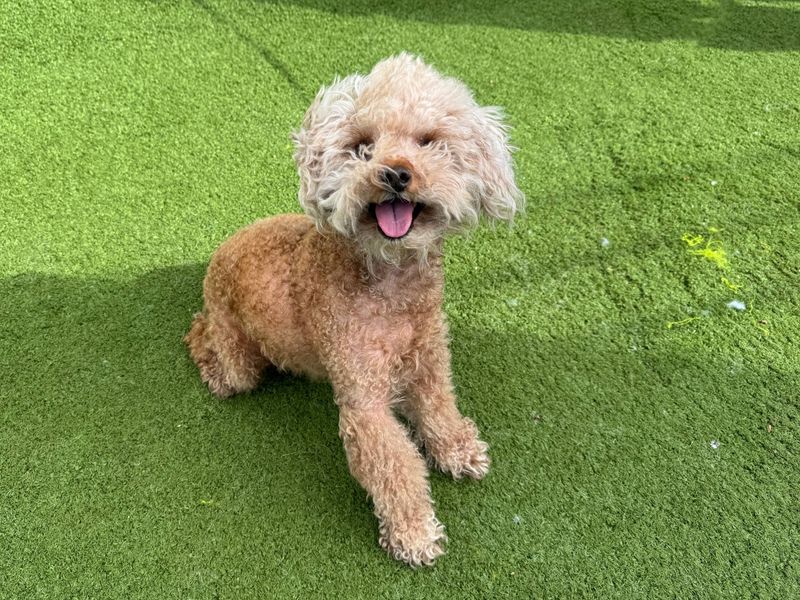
229,361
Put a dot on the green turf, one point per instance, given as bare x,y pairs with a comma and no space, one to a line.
136,136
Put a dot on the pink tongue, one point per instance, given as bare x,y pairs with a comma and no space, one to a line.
395,217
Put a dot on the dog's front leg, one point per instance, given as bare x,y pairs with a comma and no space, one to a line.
450,438
387,464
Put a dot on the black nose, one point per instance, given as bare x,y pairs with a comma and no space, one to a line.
398,178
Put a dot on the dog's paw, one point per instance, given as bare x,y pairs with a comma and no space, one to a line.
463,453
416,544
215,379
471,460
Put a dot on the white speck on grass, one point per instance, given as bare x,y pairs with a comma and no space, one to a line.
517,519
714,182
737,366
512,302
736,305
605,242
715,444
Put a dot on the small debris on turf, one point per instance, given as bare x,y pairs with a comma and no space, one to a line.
769,427
537,418
715,444
730,285
714,182
737,366
712,251
672,324
736,305
517,519
604,242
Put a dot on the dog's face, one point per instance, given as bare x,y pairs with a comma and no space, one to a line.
399,157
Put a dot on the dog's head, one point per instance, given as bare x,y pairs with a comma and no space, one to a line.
398,158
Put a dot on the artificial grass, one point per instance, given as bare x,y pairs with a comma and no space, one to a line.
137,135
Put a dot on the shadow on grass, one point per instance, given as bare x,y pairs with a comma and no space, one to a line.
119,468
104,410
731,24
85,358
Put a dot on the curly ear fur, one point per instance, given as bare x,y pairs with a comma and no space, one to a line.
500,197
316,143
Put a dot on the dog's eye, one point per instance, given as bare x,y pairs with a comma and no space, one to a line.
426,140
362,149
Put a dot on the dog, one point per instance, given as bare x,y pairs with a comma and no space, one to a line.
390,163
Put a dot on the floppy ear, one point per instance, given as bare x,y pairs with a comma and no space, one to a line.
500,197
315,142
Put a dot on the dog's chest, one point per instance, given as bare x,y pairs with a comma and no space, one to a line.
392,326
386,321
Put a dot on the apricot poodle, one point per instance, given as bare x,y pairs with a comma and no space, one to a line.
389,164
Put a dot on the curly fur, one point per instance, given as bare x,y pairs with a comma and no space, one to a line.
327,295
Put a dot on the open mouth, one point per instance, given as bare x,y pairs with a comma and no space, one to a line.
395,216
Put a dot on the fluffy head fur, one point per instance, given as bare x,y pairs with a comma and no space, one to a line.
404,114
